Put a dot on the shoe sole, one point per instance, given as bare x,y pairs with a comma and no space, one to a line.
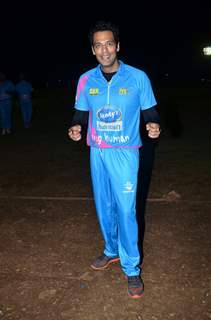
136,296
106,265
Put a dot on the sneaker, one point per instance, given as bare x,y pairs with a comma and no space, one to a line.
103,262
135,287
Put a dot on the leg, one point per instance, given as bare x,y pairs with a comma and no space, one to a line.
104,202
6,108
28,114
122,166
25,112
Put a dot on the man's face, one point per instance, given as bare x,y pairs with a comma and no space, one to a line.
105,49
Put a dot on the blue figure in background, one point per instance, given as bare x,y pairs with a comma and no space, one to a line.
24,90
7,88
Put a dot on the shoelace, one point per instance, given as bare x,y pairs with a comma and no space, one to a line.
134,281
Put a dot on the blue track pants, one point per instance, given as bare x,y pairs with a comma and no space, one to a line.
5,114
114,178
26,109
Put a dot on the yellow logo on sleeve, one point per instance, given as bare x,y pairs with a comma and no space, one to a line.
94,91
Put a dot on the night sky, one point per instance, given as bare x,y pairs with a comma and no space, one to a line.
51,40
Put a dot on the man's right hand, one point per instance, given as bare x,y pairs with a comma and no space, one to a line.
75,132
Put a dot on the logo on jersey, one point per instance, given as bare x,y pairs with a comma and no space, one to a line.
94,91
128,187
109,119
123,91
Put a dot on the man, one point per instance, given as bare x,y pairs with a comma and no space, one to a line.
7,88
114,94
24,90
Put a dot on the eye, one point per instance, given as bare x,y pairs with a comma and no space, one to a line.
110,43
97,45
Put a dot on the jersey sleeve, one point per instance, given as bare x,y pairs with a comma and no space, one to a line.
147,98
81,102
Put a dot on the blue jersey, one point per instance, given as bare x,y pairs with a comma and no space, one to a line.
6,89
114,107
24,90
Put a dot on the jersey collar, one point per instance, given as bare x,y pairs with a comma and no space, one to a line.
119,71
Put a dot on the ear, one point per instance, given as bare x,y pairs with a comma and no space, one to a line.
93,51
118,47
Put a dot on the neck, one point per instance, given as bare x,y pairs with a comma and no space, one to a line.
112,68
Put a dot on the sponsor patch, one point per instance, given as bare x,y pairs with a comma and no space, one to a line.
128,187
123,91
109,119
94,91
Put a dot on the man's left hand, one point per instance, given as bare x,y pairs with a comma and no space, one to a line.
153,129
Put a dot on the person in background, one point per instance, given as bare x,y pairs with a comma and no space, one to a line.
114,94
7,89
146,164
24,90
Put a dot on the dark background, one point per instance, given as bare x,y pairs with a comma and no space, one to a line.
49,41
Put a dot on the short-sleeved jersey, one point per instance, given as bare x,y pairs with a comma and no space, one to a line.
114,107
24,89
6,89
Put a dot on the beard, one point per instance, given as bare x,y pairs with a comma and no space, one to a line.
108,62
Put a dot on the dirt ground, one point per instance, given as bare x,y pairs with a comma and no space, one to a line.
49,233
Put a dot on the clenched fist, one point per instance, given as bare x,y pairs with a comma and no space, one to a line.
75,132
153,129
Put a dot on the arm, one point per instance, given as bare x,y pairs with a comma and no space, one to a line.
152,120
80,118
79,122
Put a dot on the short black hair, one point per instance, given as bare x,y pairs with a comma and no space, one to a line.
102,25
